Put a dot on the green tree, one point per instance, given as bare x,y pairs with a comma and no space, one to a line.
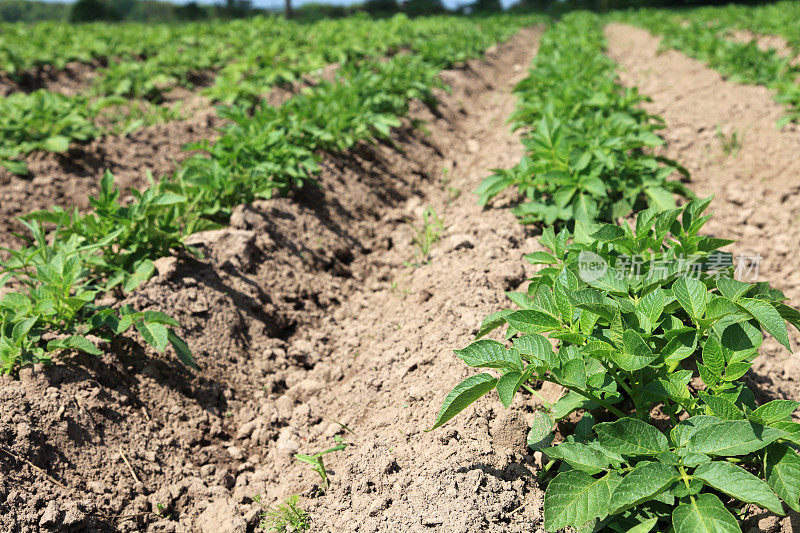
91,10
381,8
421,8
487,6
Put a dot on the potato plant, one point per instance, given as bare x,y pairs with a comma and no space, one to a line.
645,328
52,309
588,142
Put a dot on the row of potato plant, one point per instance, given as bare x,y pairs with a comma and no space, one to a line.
777,18
73,258
712,41
243,73
650,336
586,137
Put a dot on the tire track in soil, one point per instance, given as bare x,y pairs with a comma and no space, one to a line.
757,190
303,317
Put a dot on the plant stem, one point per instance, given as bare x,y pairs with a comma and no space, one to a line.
544,402
589,396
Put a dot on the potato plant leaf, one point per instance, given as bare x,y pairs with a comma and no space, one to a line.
782,467
631,437
464,394
704,514
731,438
737,482
574,498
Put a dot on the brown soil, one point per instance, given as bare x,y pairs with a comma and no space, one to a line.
304,320
757,190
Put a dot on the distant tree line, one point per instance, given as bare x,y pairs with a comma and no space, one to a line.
163,11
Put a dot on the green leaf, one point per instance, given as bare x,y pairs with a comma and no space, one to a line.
731,288
20,168
792,430
167,199
636,354
74,342
660,198
156,335
644,527
738,483
572,374
722,407
579,456
541,433
570,402
774,411
574,498
631,437
464,394
541,258
705,513
531,321
181,349
492,322
488,353
713,358
56,143
157,317
641,484
768,317
537,348
143,272
789,314
610,281
730,438
692,295
782,468
22,328
608,233
507,386
649,309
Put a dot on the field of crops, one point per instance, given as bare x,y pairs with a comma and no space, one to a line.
247,264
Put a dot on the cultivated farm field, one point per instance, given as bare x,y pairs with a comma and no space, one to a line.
482,273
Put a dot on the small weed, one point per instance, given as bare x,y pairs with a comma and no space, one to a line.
398,291
453,192
731,144
426,236
285,518
318,464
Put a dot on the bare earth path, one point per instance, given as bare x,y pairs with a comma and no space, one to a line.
305,321
393,341
757,189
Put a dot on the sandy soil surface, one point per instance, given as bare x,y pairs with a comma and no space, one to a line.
305,321
756,188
